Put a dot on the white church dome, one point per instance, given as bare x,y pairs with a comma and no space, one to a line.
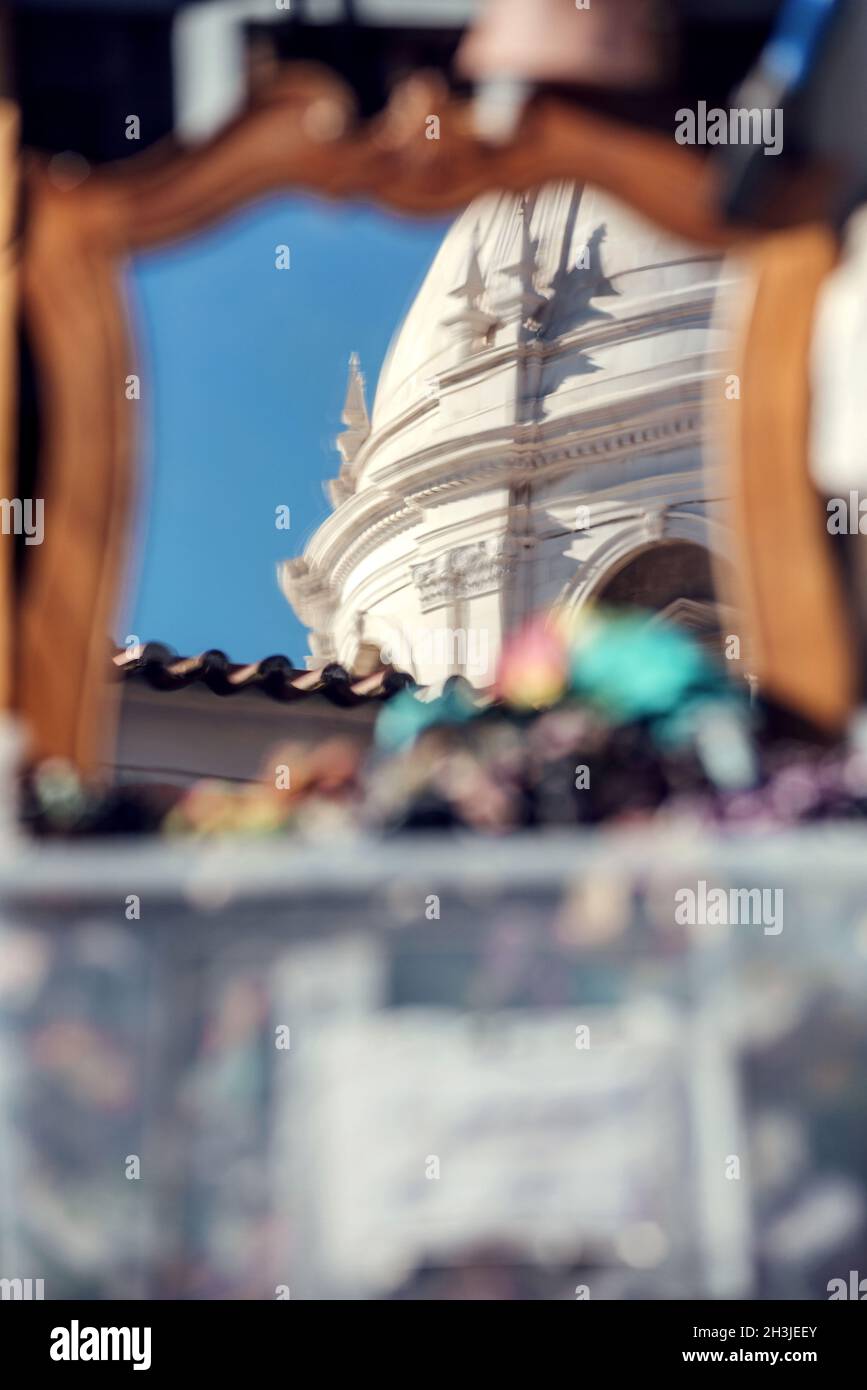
593,260
536,428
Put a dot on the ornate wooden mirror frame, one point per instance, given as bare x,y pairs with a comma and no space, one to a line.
301,133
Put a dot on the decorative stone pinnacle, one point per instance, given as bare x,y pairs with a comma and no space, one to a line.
355,416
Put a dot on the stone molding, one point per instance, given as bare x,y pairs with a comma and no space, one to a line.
376,516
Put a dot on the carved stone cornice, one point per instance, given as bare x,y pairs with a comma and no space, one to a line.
669,312
308,590
541,461
372,517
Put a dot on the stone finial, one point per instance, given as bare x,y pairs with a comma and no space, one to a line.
355,416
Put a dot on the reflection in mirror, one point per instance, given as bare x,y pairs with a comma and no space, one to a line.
373,445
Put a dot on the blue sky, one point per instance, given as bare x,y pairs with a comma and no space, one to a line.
243,374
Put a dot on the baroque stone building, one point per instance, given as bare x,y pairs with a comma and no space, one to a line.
536,437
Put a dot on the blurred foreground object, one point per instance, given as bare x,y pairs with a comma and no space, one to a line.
810,75
611,719
838,358
790,589
9,188
582,1064
615,43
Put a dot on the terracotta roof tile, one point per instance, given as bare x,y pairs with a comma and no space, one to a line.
274,676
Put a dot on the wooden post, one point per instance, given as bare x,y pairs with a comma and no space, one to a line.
8,377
